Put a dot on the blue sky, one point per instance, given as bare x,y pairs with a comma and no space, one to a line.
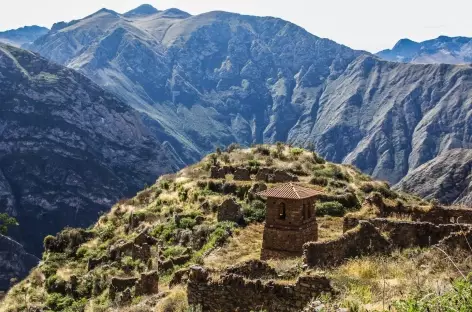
361,24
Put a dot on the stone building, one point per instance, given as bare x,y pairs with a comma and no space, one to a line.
290,220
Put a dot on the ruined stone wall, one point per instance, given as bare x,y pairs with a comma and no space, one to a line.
445,215
235,293
405,234
365,239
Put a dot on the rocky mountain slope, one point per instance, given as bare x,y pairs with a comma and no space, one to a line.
22,36
447,178
136,256
442,50
68,149
219,78
211,79
390,118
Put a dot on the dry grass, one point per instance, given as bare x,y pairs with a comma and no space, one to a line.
245,244
175,301
329,228
375,282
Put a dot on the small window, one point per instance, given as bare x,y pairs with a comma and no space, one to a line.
305,216
308,211
282,211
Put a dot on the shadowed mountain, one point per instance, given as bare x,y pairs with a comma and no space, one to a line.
68,149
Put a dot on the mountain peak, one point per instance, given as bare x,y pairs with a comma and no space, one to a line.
405,43
142,10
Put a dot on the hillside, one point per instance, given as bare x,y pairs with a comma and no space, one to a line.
189,218
442,50
68,149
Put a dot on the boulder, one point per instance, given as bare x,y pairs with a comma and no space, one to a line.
230,210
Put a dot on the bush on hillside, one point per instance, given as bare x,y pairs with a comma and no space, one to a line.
334,209
255,212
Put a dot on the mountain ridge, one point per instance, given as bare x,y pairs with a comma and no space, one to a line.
443,49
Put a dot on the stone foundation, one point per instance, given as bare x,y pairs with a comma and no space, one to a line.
233,292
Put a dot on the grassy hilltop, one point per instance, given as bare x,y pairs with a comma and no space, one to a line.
179,213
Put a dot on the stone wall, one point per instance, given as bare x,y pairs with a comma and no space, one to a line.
444,215
436,215
405,234
365,239
233,292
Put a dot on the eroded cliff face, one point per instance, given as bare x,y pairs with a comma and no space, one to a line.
447,178
68,149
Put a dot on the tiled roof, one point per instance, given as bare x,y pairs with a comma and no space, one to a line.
289,191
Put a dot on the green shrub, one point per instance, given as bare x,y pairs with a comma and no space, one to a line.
187,223
254,164
296,151
334,209
174,251
255,212
58,302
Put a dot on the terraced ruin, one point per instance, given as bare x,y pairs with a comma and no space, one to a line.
193,242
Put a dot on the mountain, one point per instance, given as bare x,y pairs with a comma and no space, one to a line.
447,178
22,36
390,118
211,79
447,50
218,78
68,149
